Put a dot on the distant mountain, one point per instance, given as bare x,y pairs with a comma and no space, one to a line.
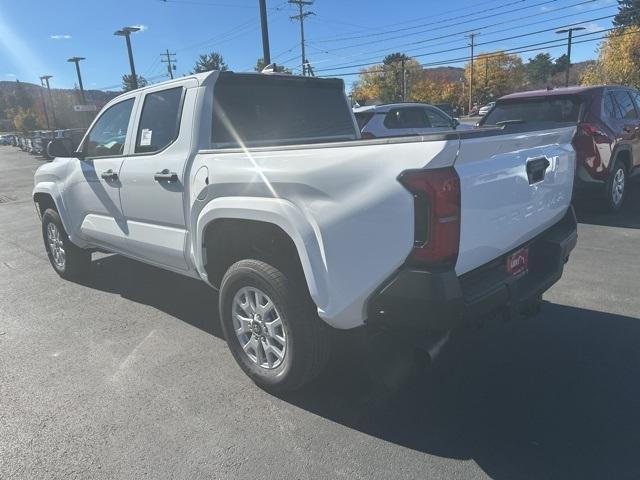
19,98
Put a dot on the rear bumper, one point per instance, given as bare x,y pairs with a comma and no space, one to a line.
440,300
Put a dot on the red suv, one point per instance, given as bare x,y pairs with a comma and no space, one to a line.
607,141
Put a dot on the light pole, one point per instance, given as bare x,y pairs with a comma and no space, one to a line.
569,38
266,53
77,61
126,33
46,78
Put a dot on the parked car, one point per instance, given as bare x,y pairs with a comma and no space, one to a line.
5,140
302,226
607,141
399,119
486,108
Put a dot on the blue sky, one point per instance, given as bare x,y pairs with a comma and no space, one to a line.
340,34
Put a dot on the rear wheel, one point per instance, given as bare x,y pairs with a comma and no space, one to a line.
68,260
616,187
271,326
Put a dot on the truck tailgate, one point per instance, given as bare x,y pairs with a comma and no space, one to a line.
513,187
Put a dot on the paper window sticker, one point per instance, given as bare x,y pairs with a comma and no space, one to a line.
145,138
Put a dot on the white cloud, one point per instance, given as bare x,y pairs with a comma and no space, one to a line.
65,36
592,27
13,75
142,27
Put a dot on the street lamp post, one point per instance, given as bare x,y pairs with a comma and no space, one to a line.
77,61
569,31
46,78
126,33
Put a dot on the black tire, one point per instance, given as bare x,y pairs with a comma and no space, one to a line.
308,345
77,261
614,202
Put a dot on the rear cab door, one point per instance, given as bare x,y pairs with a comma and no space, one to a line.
153,175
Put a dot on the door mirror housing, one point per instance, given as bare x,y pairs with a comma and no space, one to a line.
62,147
454,123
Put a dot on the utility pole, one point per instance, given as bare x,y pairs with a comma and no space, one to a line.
569,38
169,61
266,53
126,33
404,81
301,16
472,37
53,108
44,105
77,61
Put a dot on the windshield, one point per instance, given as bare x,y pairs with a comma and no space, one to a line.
531,110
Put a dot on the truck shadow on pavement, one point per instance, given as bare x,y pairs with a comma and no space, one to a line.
552,396
590,209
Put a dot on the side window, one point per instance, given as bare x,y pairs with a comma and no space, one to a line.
399,118
636,98
625,103
437,119
160,120
107,137
611,107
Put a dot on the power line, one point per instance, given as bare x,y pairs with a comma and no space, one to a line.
455,24
344,66
515,50
388,32
169,59
465,32
433,26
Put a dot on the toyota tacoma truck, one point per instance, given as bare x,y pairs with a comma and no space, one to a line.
261,186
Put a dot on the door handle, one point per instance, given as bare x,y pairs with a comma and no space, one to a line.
109,175
166,176
536,169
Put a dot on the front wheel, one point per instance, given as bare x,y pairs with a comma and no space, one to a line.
271,326
68,260
616,187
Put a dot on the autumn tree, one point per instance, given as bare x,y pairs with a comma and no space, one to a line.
495,74
208,62
618,59
383,82
27,120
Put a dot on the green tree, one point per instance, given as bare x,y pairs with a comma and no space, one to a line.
539,69
279,68
208,62
561,64
628,13
128,85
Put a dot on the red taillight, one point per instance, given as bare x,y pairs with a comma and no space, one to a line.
367,135
436,194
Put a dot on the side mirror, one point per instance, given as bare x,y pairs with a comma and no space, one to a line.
454,123
61,147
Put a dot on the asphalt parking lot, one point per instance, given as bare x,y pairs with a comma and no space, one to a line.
126,376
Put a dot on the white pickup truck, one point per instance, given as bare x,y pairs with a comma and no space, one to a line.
260,186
